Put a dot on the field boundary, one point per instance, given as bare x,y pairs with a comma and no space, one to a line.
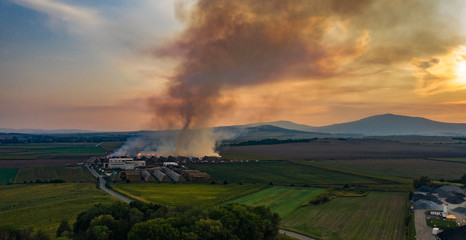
351,171
369,217
294,234
38,151
44,174
127,194
452,160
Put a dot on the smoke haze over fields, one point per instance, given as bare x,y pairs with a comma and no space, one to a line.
232,44
229,45
93,65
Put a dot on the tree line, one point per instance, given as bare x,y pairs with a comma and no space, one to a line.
22,138
426,181
271,141
141,221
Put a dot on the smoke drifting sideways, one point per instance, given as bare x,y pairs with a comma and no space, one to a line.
232,44
164,143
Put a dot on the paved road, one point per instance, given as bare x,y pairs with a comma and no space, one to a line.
295,235
127,200
423,232
103,187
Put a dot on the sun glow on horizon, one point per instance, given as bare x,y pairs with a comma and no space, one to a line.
437,74
461,66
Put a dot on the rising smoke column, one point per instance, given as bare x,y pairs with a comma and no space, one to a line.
231,44
361,45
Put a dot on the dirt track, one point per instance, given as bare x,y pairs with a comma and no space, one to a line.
295,235
423,232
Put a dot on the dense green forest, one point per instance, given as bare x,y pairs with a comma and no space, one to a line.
137,221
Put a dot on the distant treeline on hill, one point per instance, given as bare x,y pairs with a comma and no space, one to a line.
271,141
15,138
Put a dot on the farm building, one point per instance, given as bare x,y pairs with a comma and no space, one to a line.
182,159
147,177
132,176
173,175
116,177
124,163
139,164
160,176
451,217
166,164
197,176
211,159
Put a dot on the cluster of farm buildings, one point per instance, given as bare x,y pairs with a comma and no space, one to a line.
446,203
155,169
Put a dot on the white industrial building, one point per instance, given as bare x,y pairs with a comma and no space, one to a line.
166,164
124,163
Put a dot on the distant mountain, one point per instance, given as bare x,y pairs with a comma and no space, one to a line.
286,125
383,125
378,125
42,131
391,124
258,132
270,131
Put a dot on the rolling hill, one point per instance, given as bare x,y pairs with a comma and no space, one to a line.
382,125
378,125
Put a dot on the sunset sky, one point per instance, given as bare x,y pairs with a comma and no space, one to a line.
131,65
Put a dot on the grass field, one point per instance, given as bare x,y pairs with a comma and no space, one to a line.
7,175
199,195
380,177
278,172
246,156
406,167
110,146
40,150
331,148
282,200
380,215
440,223
45,205
68,174
456,160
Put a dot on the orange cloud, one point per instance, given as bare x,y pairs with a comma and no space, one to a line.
444,73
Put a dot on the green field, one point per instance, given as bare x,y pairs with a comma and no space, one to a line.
407,168
111,146
457,160
7,175
379,177
440,223
40,150
282,200
380,215
45,205
279,172
245,156
68,174
199,195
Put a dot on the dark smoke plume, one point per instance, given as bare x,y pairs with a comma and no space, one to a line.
231,44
